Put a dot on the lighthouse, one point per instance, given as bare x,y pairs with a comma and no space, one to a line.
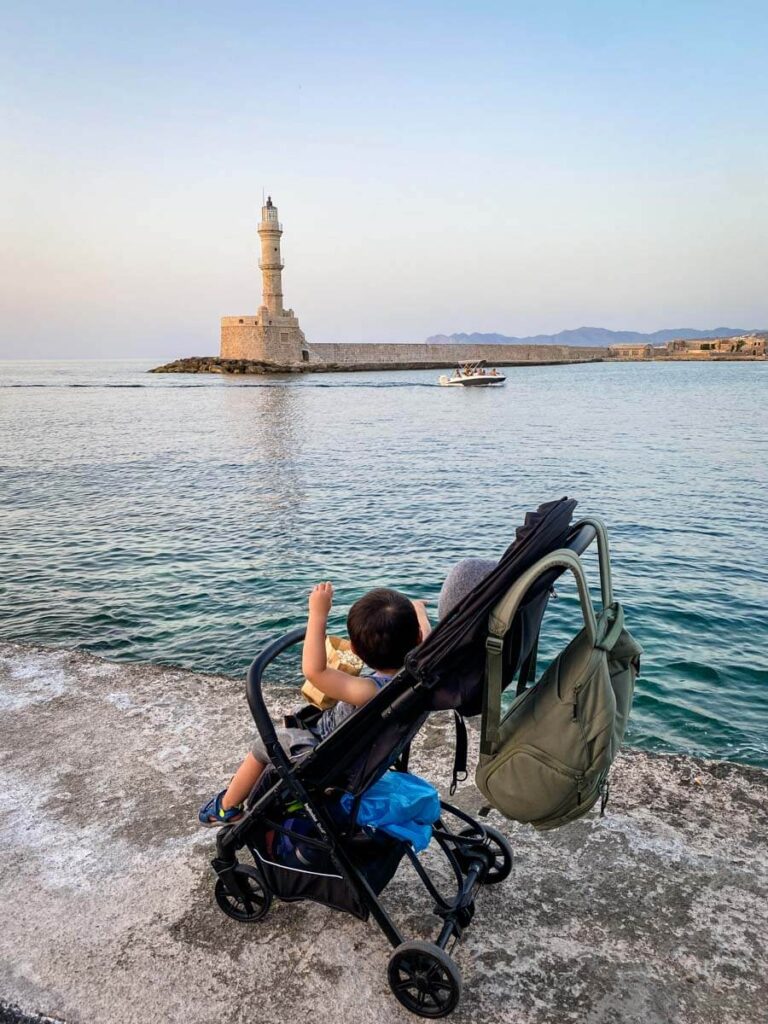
273,334
271,261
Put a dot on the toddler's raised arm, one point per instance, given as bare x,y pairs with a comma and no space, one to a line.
314,663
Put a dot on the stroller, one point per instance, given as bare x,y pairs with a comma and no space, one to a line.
296,804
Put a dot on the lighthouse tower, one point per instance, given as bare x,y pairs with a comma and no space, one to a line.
271,262
273,335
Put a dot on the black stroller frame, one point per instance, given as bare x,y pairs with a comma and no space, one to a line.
481,855
356,867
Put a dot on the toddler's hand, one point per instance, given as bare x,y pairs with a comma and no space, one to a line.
420,606
321,598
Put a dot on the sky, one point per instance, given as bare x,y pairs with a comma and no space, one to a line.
438,167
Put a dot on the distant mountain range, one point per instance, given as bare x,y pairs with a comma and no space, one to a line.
588,336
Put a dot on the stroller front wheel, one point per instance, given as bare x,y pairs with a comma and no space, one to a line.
253,900
424,979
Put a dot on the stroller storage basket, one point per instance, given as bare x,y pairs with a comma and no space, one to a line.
322,882
319,880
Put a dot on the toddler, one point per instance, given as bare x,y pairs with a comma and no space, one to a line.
383,626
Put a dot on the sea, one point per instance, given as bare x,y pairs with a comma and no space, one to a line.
183,519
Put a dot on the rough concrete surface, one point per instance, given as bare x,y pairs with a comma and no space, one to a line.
655,913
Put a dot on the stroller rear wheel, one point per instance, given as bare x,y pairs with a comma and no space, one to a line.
424,979
502,855
253,900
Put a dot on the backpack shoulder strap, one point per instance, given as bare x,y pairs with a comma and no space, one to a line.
499,623
494,684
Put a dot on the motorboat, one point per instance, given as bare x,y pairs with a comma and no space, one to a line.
472,375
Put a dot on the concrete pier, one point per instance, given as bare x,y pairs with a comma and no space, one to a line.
655,914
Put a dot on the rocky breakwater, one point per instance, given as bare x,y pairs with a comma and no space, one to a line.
213,364
654,914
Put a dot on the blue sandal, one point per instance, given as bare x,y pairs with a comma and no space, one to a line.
213,815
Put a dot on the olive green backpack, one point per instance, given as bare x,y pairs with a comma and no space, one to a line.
546,761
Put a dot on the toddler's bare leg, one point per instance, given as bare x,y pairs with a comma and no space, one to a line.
243,781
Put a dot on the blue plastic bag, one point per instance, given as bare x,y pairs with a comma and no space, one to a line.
402,805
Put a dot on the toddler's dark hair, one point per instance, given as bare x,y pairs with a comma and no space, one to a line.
383,627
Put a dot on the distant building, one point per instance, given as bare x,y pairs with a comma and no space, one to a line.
634,351
273,334
747,345
751,345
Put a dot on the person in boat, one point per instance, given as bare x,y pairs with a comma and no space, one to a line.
383,626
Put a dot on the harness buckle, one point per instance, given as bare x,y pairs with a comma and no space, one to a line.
494,644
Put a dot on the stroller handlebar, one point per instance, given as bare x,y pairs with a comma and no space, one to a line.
253,690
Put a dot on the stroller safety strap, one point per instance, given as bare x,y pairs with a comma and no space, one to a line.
460,752
528,668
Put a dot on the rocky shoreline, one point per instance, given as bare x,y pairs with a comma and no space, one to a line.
213,364
655,914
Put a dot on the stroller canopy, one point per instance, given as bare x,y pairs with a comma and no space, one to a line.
451,661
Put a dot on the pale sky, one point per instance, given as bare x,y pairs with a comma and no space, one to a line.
438,167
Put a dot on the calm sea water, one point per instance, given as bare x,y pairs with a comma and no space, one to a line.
182,519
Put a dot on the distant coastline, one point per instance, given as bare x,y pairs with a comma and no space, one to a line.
600,336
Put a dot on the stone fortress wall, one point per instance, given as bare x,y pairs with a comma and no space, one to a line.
369,356
264,337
